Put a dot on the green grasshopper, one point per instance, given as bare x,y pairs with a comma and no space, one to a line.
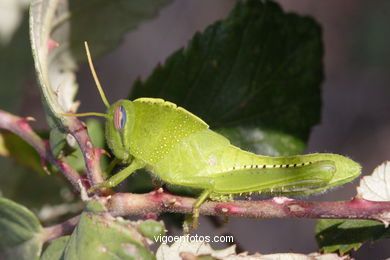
179,148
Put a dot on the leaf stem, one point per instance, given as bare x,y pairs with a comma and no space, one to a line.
62,229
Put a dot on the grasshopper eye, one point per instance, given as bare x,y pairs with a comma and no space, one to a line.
119,117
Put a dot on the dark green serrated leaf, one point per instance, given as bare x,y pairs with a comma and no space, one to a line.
259,69
269,142
344,235
56,249
105,237
19,231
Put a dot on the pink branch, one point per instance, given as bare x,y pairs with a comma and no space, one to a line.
157,202
61,229
91,154
21,127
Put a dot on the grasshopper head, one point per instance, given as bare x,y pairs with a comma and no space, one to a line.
119,126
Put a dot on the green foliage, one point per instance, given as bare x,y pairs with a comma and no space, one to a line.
19,232
13,146
24,173
151,229
104,34
58,144
55,250
16,65
259,70
263,141
105,237
344,235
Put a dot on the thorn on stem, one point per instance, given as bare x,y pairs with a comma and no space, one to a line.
89,145
100,151
231,209
51,44
384,217
151,215
30,118
281,200
44,166
23,124
171,201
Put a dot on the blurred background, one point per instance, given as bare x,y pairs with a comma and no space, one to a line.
356,92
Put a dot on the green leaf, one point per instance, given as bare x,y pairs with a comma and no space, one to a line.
260,69
20,181
69,23
29,188
56,249
96,132
13,146
344,235
58,143
105,237
16,64
141,182
151,229
19,232
264,141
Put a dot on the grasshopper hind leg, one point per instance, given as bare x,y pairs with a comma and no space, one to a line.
202,198
207,185
195,208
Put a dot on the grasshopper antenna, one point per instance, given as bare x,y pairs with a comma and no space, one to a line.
84,114
95,77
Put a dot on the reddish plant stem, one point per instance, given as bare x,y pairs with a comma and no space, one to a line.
21,127
62,229
91,154
122,204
